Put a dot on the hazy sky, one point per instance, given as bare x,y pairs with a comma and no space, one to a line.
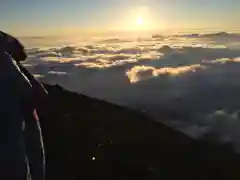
28,17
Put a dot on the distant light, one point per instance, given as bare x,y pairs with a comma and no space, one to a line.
93,158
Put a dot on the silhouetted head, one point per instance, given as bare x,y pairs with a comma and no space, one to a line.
12,46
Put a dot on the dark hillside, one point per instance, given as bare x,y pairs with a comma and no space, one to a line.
86,138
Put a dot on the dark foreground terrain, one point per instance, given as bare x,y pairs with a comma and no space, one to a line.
87,138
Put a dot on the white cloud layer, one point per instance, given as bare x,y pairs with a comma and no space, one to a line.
139,73
182,81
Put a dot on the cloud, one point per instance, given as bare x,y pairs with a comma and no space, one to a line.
114,41
182,82
225,126
211,35
48,54
225,60
166,49
103,64
139,73
192,129
220,125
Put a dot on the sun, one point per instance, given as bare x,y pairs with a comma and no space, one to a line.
139,21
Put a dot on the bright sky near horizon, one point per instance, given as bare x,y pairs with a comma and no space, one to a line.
35,17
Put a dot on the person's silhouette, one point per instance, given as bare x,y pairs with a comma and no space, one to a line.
21,152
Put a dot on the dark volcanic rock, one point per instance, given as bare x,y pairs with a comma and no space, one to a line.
87,138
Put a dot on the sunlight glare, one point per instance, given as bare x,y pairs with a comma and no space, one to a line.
139,21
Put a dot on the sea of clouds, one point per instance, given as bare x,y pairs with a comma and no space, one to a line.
190,82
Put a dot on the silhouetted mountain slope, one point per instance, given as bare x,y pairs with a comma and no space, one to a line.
86,138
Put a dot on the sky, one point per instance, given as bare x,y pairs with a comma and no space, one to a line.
35,17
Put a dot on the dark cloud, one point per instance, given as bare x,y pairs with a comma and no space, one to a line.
210,35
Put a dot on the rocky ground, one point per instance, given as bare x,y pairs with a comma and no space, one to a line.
86,138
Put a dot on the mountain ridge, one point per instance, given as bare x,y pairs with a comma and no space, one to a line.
86,138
